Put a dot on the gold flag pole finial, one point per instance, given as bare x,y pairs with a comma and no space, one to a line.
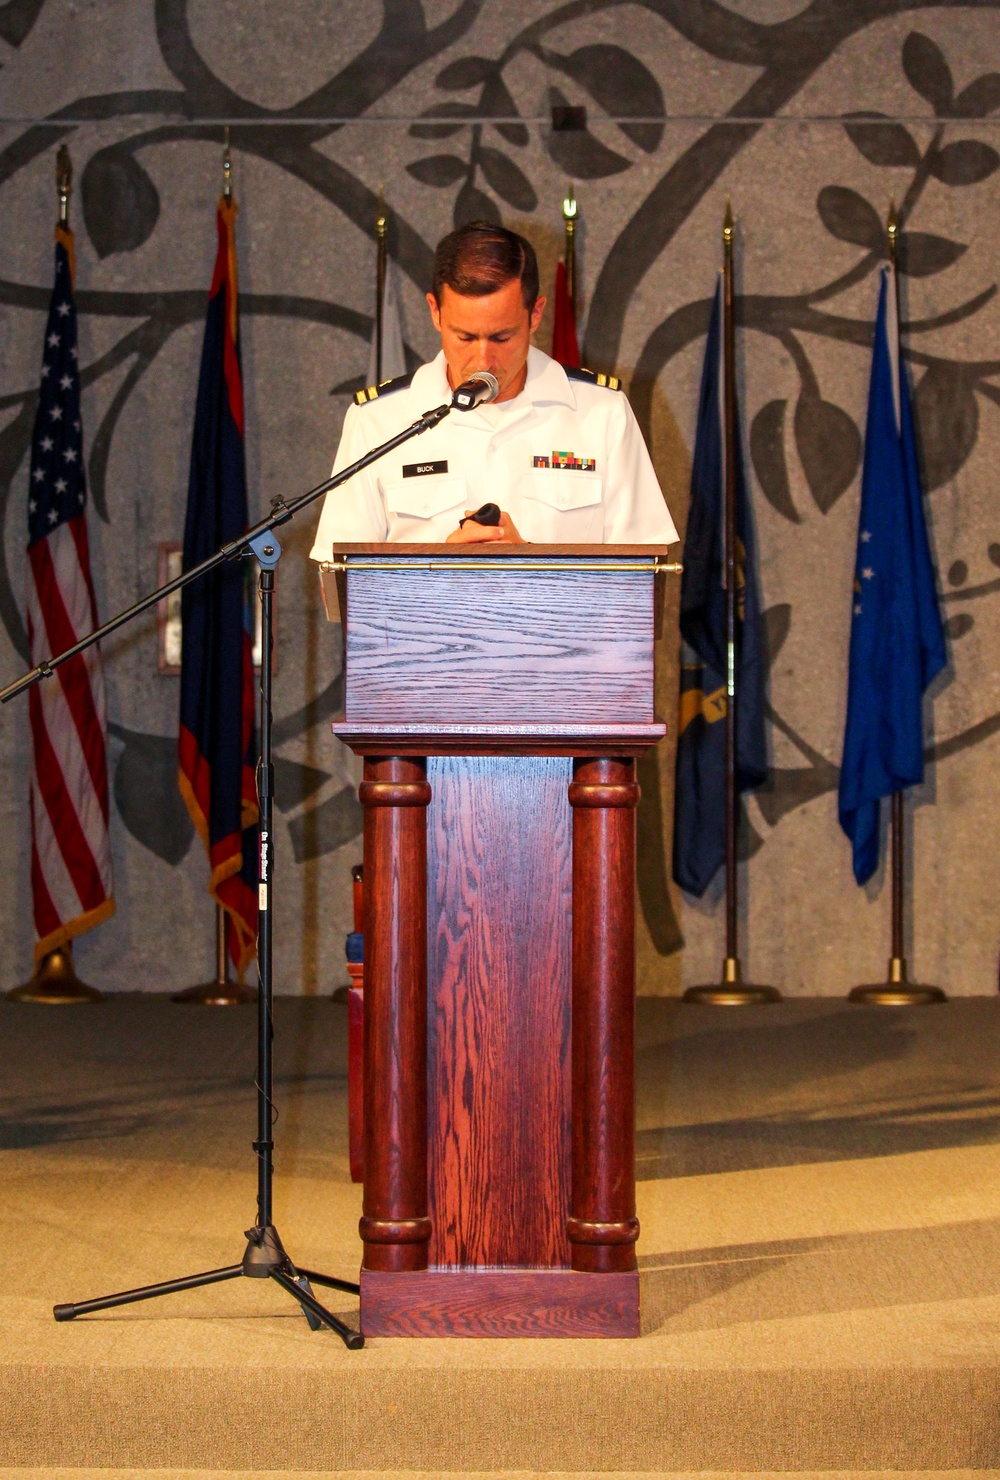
381,220
227,169
727,224
64,183
892,231
569,211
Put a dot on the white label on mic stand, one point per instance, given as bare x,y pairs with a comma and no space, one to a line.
262,896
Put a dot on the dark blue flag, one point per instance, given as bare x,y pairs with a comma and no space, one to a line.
217,745
700,791
897,642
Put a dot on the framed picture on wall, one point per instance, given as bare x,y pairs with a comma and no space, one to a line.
168,612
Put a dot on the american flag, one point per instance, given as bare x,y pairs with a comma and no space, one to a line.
70,850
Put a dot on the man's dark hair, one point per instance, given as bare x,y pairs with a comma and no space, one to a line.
480,258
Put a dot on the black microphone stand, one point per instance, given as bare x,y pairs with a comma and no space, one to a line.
264,1256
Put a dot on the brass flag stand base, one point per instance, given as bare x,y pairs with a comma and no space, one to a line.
732,991
896,991
55,982
222,992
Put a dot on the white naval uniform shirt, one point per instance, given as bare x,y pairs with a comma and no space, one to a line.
505,454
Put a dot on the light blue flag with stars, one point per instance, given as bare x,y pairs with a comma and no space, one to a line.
897,641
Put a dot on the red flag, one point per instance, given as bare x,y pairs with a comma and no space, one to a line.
564,346
70,851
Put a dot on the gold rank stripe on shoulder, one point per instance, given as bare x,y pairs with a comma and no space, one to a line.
594,377
384,388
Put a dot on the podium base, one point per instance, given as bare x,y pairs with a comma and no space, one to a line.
732,991
896,991
55,982
499,1302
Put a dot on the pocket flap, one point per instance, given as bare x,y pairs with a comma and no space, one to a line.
563,489
422,498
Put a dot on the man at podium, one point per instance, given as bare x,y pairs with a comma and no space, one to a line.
559,451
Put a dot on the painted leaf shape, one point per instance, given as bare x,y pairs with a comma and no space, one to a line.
466,72
577,151
958,625
439,170
17,18
503,176
965,162
829,447
921,254
121,205
497,102
295,782
767,453
777,625
927,71
850,218
947,417
431,130
322,829
514,133
474,205
622,85
147,796
883,143
980,98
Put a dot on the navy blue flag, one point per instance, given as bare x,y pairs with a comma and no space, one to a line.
700,791
897,641
217,743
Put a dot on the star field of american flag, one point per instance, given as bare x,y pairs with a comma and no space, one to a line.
58,490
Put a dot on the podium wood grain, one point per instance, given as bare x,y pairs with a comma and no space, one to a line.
476,646
499,863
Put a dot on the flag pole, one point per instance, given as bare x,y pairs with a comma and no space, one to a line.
569,210
222,991
54,980
896,990
732,991
381,229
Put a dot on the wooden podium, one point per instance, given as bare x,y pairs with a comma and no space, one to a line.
499,698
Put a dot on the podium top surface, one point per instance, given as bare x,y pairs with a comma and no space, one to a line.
495,549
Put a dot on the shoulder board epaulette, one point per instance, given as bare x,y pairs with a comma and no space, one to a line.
384,388
594,377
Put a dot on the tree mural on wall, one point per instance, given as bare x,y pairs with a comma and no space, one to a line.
477,136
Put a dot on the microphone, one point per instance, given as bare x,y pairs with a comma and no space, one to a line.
478,390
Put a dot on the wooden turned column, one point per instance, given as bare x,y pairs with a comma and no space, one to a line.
395,1226
602,1226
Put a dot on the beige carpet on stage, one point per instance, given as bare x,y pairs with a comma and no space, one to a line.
820,1203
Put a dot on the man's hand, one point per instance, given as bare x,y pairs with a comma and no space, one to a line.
472,533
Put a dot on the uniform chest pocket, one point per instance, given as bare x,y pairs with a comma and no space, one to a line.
423,498
563,491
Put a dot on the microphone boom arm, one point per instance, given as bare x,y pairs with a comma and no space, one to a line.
280,514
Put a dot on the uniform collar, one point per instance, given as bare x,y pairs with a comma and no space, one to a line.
547,384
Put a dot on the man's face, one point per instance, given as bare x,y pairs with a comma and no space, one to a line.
491,333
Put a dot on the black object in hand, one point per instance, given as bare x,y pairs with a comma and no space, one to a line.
488,514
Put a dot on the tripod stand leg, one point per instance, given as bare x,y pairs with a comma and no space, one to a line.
353,1340
329,1280
147,1292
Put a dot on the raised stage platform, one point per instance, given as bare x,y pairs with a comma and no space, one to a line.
820,1255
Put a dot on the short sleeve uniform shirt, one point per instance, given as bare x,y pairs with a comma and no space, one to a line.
565,459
